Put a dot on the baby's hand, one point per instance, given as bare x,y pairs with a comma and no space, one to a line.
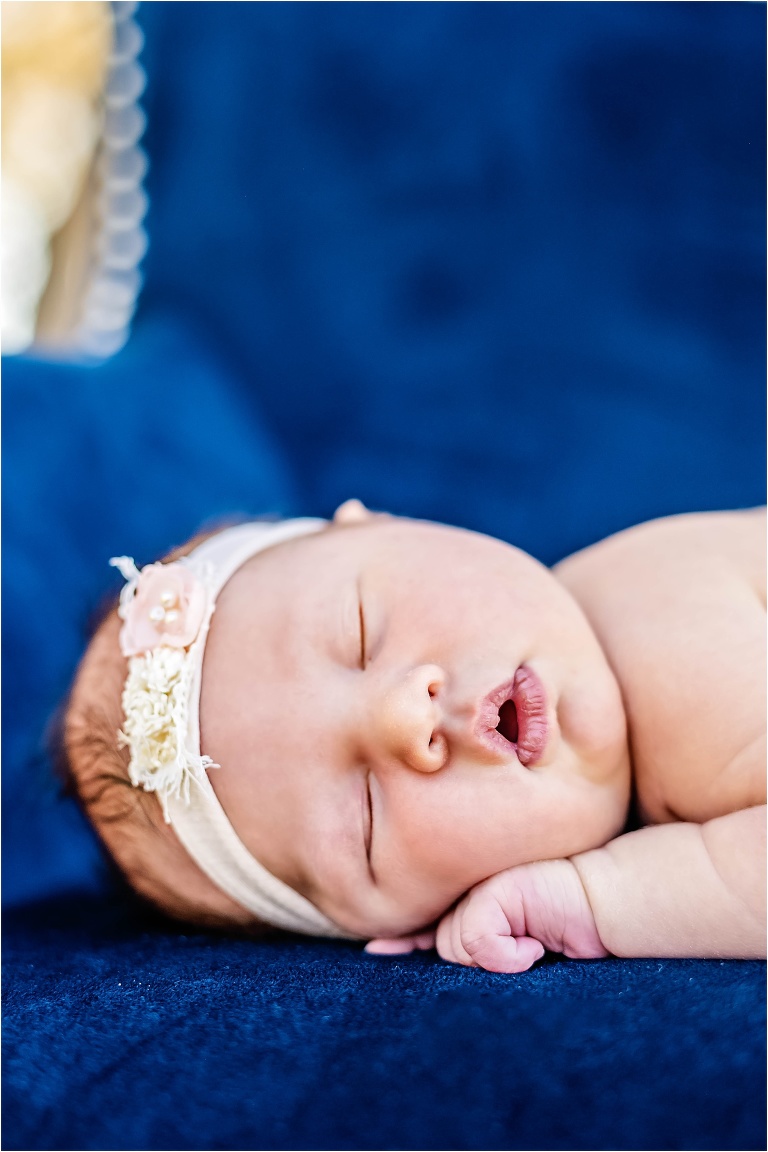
507,922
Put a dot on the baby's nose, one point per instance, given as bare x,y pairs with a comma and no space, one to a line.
408,719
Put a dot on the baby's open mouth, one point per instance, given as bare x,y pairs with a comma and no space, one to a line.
507,724
514,717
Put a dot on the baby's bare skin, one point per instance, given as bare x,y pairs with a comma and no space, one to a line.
678,606
345,679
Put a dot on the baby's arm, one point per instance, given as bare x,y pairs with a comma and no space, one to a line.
669,890
681,889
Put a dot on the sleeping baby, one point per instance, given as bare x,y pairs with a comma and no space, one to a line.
418,736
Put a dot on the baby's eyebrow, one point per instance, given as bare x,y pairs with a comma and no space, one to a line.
333,854
302,621
323,854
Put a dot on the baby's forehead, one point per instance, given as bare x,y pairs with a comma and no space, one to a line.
295,567
296,584
264,614
283,605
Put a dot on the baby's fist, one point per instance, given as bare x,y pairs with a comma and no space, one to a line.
507,922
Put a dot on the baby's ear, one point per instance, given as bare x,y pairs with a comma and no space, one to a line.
352,512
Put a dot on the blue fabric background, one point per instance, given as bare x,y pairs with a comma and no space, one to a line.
500,265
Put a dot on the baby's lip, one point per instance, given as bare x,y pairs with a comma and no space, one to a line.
526,692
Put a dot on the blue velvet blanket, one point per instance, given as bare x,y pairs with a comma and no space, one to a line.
499,265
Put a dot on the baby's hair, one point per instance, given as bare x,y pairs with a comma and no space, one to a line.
128,820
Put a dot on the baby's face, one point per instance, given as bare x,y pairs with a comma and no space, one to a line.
352,685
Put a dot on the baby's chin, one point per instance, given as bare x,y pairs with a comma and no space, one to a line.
392,917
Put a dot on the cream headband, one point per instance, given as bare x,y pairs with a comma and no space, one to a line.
166,611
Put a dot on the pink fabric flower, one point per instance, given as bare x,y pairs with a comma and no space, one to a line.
166,609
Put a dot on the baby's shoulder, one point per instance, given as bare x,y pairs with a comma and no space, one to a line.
703,546
679,607
669,569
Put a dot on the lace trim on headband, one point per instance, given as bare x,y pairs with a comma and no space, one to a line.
155,707
164,608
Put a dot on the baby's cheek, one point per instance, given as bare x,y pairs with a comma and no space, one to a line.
592,717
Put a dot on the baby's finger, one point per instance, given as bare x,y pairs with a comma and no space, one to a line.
448,942
488,933
399,945
506,953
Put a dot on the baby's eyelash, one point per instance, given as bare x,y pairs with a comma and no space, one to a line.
369,838
362,633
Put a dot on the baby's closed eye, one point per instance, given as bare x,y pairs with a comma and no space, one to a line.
361,615
368,822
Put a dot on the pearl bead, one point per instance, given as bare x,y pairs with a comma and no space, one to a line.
168,598
171,616
157,614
